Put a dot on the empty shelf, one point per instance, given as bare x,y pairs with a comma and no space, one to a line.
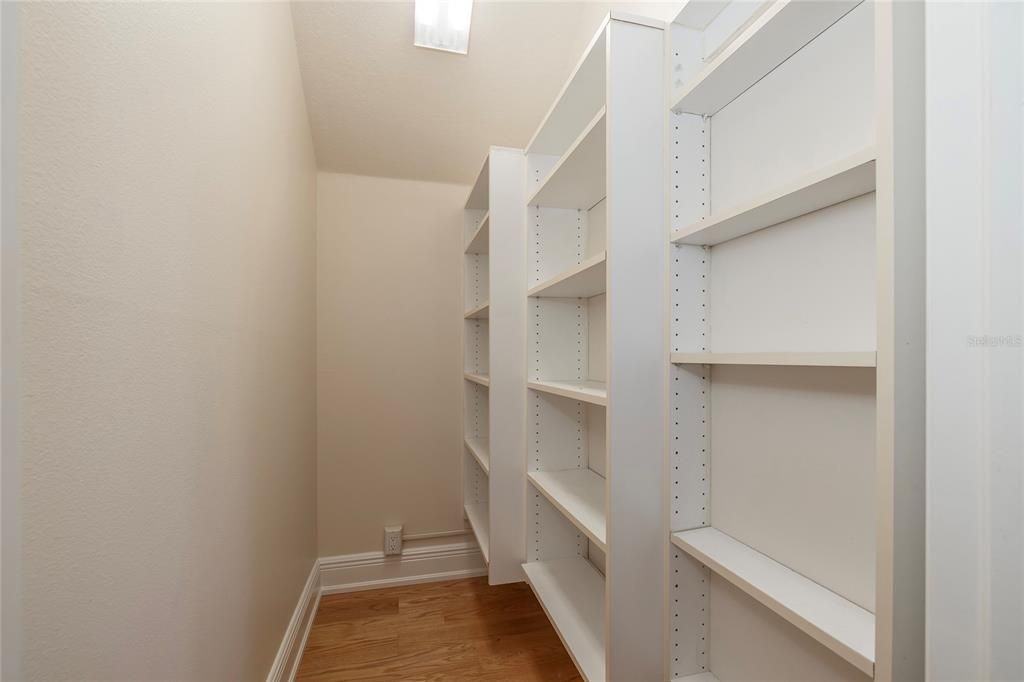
773,38
579,494
581,281
837,623
578,179
571,591
478,520
480,241
478,448
828,359
594,392
699,677
481,312
827,186
481,379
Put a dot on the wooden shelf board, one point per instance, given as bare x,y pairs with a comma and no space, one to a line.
480,242
479,515
478,448
580,495
578,179
773,38
845,179
482,379
481,312
837,623
825,359
581,281
594,392
571,591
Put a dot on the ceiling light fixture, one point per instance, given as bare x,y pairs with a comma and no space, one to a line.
443,24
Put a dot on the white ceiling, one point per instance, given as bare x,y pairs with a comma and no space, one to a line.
379,106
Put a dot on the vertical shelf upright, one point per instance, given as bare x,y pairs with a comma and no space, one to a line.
776,331
595,346
494,367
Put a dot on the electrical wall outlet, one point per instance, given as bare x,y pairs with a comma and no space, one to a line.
392,540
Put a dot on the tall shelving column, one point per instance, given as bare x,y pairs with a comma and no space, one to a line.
493,363
596,346
774,472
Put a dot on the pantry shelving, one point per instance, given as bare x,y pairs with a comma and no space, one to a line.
595,348
571,591
580,281
848,178
586,391
494,286
577,179
777,344
478,448
579,495
780,30
824,359
478,515
481,312
480,379
839,624
480,241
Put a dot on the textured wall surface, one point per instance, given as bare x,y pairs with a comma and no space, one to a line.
389,316
166,209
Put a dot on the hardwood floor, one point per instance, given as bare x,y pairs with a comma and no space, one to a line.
457,630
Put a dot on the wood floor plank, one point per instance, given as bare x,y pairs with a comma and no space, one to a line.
448,631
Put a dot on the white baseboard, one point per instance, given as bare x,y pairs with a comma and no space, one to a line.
373,570
286,663
369,571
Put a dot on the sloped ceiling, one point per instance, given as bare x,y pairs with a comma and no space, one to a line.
380,106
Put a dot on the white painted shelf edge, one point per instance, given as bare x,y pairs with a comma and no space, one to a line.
481,312
699,677
799,359
571,592
478,448
593,392
580,281
481,379
779,33
839,624
478,515
829,185
480,241
579,494
593,134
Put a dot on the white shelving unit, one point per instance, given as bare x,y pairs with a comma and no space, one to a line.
839,624
780,564
596,383
495,324
585,391
572,594
579,495
825,359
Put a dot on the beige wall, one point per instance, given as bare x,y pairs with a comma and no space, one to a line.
166,210
389,316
